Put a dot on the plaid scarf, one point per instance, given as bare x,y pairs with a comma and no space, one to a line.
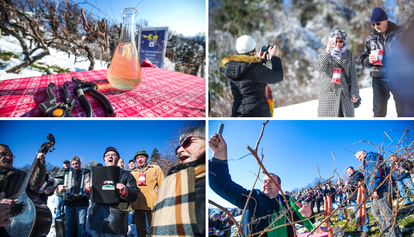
174,211
337,53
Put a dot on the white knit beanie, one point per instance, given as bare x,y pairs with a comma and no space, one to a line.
245,44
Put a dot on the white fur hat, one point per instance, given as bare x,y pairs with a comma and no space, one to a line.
245,44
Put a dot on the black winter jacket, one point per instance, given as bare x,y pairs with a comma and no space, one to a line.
107,218
332,191
248,80
353,184
376,41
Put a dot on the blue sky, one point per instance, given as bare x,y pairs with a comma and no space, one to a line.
183,16
86,139
295,149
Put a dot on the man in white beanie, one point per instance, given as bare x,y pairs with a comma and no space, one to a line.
249,77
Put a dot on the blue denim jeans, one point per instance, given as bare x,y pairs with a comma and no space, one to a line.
406,186
354,208
336,205
382,211
75,216
59,206
342,197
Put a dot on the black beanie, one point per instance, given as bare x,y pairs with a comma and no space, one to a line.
378,15
111,149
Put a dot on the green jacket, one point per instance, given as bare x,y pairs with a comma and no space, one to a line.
60,173
11,180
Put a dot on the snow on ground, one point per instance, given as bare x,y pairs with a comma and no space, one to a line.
309,110
58,58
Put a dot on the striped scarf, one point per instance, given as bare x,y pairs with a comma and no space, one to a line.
174,210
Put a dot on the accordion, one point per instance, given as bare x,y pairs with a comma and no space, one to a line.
75,184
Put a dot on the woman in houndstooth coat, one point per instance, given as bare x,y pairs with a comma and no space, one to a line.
337,99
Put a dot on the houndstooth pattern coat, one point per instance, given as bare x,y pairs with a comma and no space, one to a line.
331,95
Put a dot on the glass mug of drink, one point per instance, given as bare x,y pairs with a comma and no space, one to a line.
124,72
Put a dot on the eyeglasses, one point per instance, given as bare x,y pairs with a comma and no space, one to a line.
111,154
376,23
186,143
339,41
4,154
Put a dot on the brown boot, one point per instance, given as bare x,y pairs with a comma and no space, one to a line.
365,234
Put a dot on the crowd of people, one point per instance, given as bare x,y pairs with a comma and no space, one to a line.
381,178
249,76
220,223
142,189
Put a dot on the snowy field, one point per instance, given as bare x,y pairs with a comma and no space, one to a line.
309,110
58,58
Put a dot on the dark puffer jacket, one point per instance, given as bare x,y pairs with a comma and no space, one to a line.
353,184
113,219
376,41
248,80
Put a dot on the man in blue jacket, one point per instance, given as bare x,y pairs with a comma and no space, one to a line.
377,183
265,205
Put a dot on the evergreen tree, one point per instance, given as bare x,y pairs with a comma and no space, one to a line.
155,155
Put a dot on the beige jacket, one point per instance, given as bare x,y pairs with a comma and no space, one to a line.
149,192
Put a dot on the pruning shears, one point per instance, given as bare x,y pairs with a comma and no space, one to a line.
81,86
50,108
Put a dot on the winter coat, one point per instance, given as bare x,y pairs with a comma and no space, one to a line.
149,192
331,191
61,173
113,219
376,41
215,224
405,166
248,79
11,179
374,163
260,205
353,184
318,194
331,95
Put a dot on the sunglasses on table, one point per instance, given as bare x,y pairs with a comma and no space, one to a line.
376,23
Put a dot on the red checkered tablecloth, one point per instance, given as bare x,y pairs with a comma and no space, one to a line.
162,93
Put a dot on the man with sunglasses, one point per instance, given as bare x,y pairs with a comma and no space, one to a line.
149,178
184,188
382,38
11,179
